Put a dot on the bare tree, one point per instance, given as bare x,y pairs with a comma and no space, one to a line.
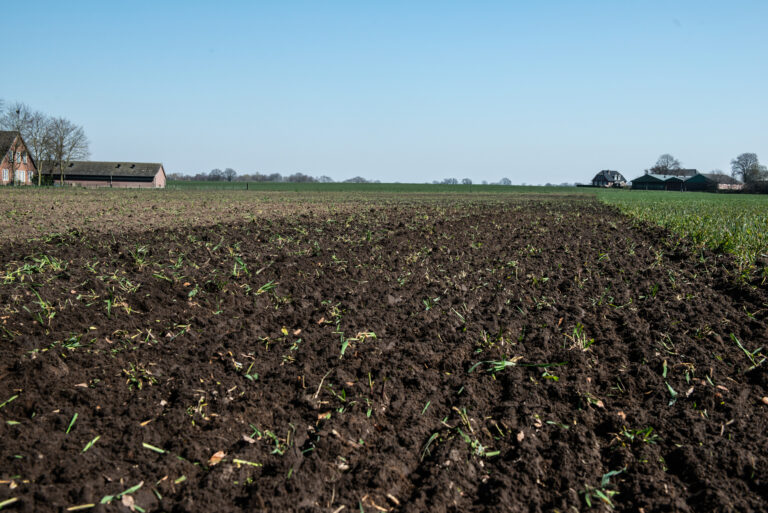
505,181
665,164
12,150
466,181
747,167
34,127
67,143
38,139
230,174
16,118
13,119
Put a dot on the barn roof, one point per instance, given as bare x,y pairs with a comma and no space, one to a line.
698,178
722,178
651,177
93,168
610,176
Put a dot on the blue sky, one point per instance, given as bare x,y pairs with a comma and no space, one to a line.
400,90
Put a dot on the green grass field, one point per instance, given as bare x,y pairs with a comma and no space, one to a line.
733,223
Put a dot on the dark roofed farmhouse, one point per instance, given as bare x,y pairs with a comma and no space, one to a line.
609,178
110,174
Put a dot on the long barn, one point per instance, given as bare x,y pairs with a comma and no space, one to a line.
109,174
695,182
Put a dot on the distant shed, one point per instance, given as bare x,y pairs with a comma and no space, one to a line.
653,182
700,182
696,182
110,174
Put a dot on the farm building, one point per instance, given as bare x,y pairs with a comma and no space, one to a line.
16,164
700,182
653,182
609,178
725,182
695,182
110,174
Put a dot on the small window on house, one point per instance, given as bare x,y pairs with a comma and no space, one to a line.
5,175
24,158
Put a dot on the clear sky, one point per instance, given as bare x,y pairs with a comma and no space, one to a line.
549,91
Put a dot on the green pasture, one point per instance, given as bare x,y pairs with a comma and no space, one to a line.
733,223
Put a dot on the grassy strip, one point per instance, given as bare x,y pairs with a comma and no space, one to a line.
732,223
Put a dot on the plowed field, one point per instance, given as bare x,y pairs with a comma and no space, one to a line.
503,354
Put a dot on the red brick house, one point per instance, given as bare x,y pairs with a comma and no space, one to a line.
16,166
109,174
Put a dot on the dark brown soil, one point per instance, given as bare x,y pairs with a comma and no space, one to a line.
178,348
